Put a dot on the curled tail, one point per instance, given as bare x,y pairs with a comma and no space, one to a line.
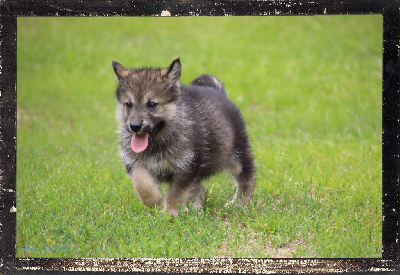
209,81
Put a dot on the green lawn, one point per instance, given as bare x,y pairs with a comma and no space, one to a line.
308,87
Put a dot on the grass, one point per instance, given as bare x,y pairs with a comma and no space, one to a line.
308,87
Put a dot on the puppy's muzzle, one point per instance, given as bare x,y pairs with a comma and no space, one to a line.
140,127
136,126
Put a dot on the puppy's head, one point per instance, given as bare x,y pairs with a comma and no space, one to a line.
146,101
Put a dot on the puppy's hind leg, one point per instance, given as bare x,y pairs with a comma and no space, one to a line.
244,175
244,187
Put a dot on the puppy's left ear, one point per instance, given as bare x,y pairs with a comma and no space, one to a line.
173,72
119,70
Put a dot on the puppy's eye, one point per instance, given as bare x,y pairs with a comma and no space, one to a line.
152,104
128,104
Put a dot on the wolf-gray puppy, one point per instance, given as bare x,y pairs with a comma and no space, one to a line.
179,134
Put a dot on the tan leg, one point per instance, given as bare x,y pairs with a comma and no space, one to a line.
175,196
147,187
244,187
197,195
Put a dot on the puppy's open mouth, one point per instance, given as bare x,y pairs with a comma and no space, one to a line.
140,141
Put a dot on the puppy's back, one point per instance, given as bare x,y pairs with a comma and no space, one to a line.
218,133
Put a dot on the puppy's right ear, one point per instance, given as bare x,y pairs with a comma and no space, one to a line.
173,72
120,71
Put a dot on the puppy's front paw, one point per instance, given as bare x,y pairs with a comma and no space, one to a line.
174,211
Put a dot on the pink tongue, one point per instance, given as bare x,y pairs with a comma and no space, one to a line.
139,142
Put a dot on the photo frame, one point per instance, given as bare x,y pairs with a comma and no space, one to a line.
390,10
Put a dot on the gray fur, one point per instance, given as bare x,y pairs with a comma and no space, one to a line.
195,132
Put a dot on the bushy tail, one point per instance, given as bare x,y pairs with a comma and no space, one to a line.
209,81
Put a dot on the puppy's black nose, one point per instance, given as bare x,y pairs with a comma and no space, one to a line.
135,127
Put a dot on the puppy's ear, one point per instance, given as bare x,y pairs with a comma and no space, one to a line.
120,71
173,72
